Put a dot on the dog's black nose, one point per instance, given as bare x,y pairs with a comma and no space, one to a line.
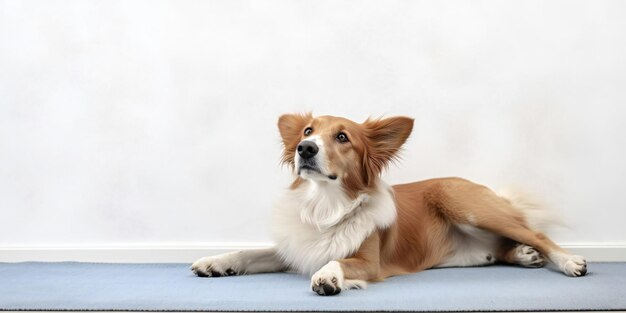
307,149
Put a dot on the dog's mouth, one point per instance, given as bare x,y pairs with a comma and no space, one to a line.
314,169
308,168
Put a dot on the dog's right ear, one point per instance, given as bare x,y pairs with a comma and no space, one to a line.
291,127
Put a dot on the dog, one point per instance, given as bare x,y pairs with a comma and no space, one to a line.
342,224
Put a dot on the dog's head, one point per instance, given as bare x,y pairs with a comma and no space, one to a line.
335,149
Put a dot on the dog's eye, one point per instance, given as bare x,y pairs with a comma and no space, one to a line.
308,131
342,137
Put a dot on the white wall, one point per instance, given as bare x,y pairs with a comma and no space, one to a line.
153,122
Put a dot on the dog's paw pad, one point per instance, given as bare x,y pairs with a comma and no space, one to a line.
528,256
326,286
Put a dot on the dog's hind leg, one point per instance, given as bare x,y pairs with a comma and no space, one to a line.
239,263
466,203
570,264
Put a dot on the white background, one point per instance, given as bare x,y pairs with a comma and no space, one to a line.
154,122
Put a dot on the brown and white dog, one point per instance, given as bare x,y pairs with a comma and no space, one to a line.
340,223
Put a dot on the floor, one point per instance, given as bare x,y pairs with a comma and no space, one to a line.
33,286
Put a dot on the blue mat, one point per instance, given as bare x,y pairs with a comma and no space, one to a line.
172,287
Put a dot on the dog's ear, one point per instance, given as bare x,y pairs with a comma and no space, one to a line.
384,138
291,127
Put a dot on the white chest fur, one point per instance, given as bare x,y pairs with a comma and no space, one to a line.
317,223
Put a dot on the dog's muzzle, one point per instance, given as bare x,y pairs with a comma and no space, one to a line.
307,150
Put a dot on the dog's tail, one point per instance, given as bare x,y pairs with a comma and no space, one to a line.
538,215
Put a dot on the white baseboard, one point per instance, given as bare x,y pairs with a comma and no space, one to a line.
599,252
187,253
122,253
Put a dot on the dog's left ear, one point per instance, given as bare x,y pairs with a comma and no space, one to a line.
384,138
291,127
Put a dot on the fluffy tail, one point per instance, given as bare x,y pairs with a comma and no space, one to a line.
538,215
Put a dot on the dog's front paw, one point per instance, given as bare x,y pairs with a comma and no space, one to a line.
328,281
215,266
